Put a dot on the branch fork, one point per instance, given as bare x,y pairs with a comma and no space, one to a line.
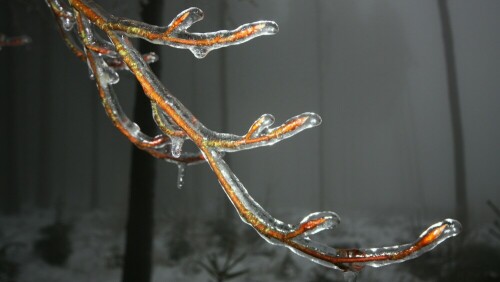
177,124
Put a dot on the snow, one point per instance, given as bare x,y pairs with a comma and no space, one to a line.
97,240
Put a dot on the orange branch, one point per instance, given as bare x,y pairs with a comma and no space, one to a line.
178,124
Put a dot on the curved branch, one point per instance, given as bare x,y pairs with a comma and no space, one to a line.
296,238
158,146
165,125
179,124
176,34
271,229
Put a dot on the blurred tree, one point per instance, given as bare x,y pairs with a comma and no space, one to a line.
456,117
94,182
9,193
139,230
44,191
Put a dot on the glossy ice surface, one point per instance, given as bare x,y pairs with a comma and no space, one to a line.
80,19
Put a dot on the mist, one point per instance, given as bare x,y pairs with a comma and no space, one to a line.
375,73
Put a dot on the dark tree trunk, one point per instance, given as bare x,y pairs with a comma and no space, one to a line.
94,162
10,193
456,118
139,230
44,191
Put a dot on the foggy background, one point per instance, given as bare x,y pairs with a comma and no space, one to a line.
374,70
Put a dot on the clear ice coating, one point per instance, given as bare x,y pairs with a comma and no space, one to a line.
178,29
329,221
105,56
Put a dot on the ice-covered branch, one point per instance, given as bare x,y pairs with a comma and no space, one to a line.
296,237
176,34
177,124
260,133
105,76
65,23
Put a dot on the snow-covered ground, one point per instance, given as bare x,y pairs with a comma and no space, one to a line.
97,247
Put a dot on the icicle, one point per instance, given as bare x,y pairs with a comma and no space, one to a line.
180,175
91,72
176,146
106,73
200,52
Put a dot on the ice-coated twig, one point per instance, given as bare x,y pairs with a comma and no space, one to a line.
118,64
178,124
176,34
105,77
65,23
260,134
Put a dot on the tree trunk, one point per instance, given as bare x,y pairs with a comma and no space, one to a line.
44,191
10,193
94,162
140,221
456,118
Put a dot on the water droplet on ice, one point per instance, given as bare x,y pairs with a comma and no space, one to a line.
67,23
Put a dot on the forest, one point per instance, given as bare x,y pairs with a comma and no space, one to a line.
407,92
